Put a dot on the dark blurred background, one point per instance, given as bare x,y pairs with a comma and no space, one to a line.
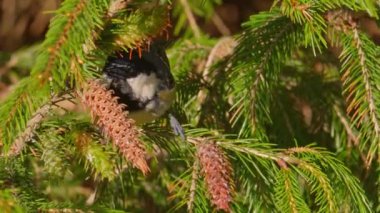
24,21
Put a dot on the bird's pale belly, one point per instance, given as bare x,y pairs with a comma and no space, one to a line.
154,108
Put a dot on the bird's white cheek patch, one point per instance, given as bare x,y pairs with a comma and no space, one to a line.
144,86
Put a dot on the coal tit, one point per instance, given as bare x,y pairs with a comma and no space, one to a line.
143,82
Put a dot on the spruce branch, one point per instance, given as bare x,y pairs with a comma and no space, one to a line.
378,185
112,117
187,60
320,185
309,16
373,108
135,29
96,159
343,178
61,39
322,170
366,78
74,25
359,77
296,179
55,153
348,131
34,123
62,138
221,50
291,199
19,107
287,192
61,59
257,65
361,5
8,202
66,210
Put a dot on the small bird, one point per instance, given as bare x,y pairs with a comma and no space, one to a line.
143,81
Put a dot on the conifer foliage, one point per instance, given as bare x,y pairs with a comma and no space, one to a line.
282,117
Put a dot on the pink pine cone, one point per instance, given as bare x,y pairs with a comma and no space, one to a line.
217,172
111,116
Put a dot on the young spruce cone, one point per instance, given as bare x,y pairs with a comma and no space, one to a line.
217,172
111,116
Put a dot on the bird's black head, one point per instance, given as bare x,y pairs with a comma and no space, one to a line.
153,59
141,80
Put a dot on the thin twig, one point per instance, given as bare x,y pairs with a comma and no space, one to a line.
190,17
220,25
33,124
223,48
197,140
350,132
277,157
117,6
194,179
